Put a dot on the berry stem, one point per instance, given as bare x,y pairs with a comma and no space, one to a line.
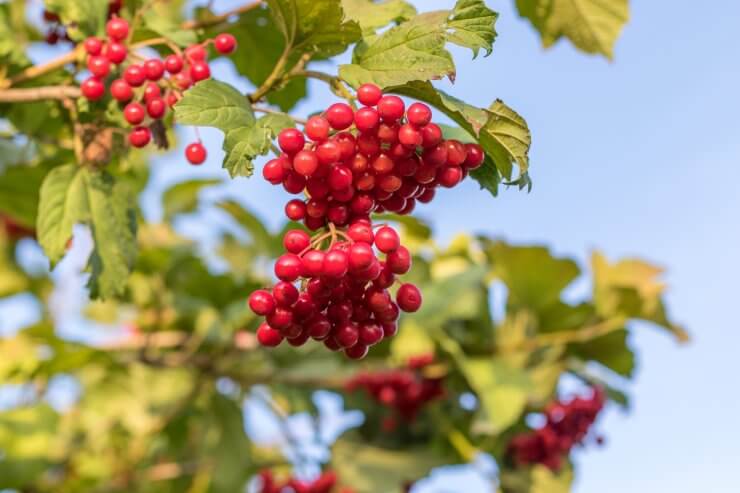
262,109
50,66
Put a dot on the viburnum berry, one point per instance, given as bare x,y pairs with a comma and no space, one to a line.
115,52
93,46
195,53
288,267
199,71
340,116
117,29
195,153
173,64
369,94
92,88
305,163
139,136
99,66
387,240
134,113
121,91
408,298
367,119
262,302
134,75
154,69
156,108
295,241
419,114
391,108
475,156
317,128
274,171
267,336
224,43
291,140
182,80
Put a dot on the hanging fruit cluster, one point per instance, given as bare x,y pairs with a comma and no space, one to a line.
567,425
146,88
325,483
406,390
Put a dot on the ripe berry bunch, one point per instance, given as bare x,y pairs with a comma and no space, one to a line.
325,483
343,299
382,157
567,425
405,390
146,88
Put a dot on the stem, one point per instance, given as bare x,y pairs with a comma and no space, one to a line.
335,82
221,18
262,109
50,66
39,94
273,78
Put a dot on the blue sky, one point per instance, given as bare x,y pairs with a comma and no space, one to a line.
638,157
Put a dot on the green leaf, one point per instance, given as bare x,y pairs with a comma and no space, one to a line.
501,388
12,52
183,197
27,439
503,134
82,17
72,195
374,469
19,193
168,27
372,15
217,104
261,238
415,50
313,27
472,26
439,307
592,26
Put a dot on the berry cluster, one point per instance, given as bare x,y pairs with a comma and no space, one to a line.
145,90
57,32
567,425
325,483
343,298
382,157
405,390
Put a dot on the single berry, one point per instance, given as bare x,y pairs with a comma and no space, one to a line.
357,352
291,140
224,43
295,210
305,163
261,302
296,240
99,66
409,136
154,69
199,71
387,240
134,113
139,136
408,298
93,46
419,114
474,157
456,152
117,29
92,89
182,80
274,171
288,267
156,108
196,53
285,294
152,91
391,108
431,135
361,256
317,128
339,116
367,119
173,64
115,52
134,75
369,94
336,263
399,261
195,153
121,91
269,337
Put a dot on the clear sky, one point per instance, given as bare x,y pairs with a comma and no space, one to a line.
636,157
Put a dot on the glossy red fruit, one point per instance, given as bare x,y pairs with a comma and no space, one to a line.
370,333
347,334
369,94
450,176
196,53
409,136
199,70
313,263
391,108
357,352
134,113
224,43
336,263
285,294
431,135
362,232
117,29
339,116
475,156
291,140
305,162
319,327
172,99
317,128
99,66
328,153
419,114
134,75
115,52
288,267
456,152
121,91
426,196
269,337
296,240
139,136
195,153
367,120
399,261
182,80
154,69
156,108
295,210
340,177
274,171
261,302
408,298
361,256
93,46
92,89
152,91
387,240
173,64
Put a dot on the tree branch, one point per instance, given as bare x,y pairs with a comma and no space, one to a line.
38,94
57,63
218,19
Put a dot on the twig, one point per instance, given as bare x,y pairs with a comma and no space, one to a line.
57,63
39,94
218,19
262,109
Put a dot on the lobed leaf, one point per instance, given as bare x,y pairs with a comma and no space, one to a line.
471,26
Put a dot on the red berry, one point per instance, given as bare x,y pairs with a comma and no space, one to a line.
261,302
295,210
340,177
339,116
121,91
195,153
172,99
387,240
196,53
305,163
426,196
199,70
93,46
336,263
99,66
134,113
449,176
367,119
296,240
357,352
317,128
391,108
369,94
288,267
134,75
117,29
173,63
419,114
92,89
139,136
361,256
156,108
224,43
431,135
474,157
294,183
328,152
115,52
269,337
319,327
409,136
399,261
291,140
285,294
152,91
182,80
370,333
347,335
408,298
456,153
274,171
313,263
154,69
361,232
